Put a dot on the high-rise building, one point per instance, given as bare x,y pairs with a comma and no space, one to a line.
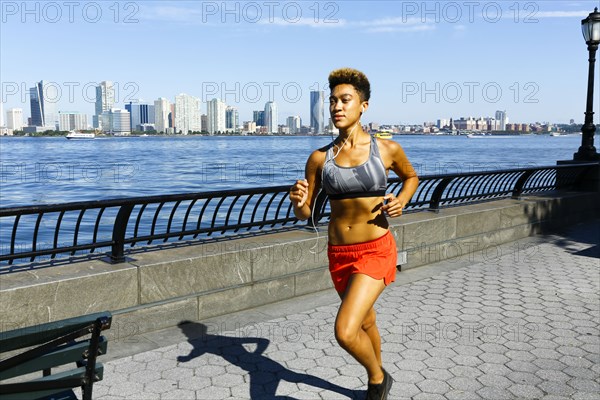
204,122
14,119
105,100
215,111
317,110
271,117
231,119
141,114
116,121
294,123
502,119
172,117
187,114
161,114
259,118
72,121
42,98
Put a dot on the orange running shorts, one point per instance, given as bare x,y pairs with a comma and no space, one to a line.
376,258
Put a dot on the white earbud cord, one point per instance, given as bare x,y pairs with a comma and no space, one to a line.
312,214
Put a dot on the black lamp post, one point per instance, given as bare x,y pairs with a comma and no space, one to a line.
591,33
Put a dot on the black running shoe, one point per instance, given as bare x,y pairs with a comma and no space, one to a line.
380,391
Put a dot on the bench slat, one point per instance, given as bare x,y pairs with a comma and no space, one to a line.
33,391
62,355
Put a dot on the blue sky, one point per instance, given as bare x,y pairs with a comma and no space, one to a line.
425,60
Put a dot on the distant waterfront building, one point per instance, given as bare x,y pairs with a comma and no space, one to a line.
249,127
502,119
259,118
187,114
294,123
204,123
72,121
172,117
105,100
317,111
232,118
141,114
331,129
215,111
162,107
14,119
271,117
42,99
116,121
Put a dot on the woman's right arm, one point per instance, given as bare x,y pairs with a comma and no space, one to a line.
304,192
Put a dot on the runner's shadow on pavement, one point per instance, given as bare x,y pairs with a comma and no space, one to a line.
264,373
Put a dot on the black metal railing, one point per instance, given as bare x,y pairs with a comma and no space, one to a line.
108,226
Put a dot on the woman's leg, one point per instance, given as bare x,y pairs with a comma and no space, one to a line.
357,304
369,325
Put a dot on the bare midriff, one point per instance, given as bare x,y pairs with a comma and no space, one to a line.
356,220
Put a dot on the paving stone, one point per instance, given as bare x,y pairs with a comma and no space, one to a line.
495,393
194,383
433,386
462,395
429,396
494,358
465,371
523,378
521,366
408,377
406,389
126,389
556,388
436,373
160,386
586,396
465,384
553,375
497,381
526,391
585,385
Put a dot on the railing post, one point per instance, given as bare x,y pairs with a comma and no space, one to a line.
117,255
520,184
436,197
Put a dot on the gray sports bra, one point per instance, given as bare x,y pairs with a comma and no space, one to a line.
366,180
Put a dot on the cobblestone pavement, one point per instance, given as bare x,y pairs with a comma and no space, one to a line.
522,322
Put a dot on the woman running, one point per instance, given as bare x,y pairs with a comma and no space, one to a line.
362,253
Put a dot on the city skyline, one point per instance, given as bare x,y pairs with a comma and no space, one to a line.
425,60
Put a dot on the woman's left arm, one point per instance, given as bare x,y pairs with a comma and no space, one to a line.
404,169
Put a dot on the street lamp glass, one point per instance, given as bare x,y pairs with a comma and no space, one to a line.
591,27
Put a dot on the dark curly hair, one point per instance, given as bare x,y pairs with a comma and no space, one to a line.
353,77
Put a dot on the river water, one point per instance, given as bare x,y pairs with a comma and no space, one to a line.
56,170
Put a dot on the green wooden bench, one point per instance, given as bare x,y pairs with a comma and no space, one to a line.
34,351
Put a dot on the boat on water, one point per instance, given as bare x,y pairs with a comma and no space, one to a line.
80,135
558,134
383,135
489,136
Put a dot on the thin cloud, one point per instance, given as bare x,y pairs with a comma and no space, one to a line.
310,22
560,14
387,29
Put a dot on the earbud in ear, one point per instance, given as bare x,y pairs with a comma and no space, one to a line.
362,109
